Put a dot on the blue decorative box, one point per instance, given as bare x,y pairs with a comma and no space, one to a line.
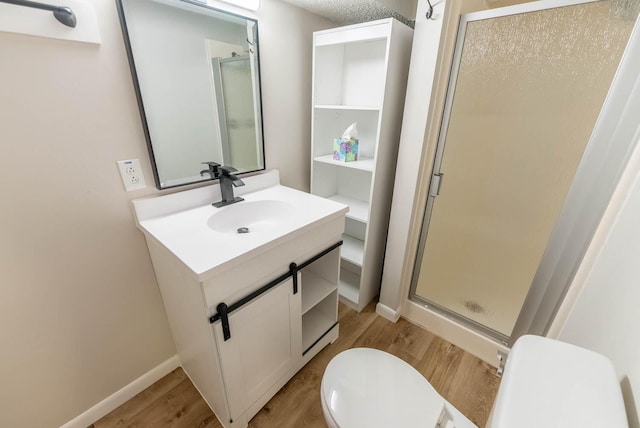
345,150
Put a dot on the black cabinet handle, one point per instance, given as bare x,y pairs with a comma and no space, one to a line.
224,316
293,270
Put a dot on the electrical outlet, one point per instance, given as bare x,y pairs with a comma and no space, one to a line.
131,174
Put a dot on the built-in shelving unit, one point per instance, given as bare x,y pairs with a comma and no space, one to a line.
359,75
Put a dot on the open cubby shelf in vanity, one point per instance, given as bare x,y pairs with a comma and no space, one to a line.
319,299
359,75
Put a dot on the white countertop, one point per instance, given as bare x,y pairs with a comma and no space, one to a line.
206,252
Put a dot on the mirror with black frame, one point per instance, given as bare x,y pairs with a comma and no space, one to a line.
196,75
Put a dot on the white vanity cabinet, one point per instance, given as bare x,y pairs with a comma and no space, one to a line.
359,75
246,323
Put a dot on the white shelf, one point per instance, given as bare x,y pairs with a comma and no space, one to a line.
345,107
356,34
314,324
358,210
349,287
354,82
364,163
314,289
352,250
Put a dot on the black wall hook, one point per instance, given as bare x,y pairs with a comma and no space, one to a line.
430,10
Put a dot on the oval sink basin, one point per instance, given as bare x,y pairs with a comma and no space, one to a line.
251,216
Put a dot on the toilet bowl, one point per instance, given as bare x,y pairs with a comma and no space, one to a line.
545,383
364,387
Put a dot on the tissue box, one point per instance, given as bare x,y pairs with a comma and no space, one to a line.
345,150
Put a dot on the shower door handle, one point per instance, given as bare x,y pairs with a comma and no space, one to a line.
436,181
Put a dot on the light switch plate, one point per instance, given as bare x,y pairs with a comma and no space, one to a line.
131,174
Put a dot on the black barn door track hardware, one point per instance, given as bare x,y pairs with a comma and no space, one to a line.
223,310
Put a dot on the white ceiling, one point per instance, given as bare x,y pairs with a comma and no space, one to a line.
344,12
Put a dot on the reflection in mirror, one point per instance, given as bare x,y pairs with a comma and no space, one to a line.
196,74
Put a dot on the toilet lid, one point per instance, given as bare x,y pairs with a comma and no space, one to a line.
550,383
365,387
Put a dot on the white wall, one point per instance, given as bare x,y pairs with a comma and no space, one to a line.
422,77
605,317
80,312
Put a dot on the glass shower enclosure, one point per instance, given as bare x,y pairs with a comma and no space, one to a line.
525,92
236,104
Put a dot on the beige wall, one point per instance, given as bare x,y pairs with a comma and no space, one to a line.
285,61
80,312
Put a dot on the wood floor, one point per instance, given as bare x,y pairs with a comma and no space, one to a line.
465,381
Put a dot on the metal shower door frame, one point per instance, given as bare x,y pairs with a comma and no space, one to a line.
216,69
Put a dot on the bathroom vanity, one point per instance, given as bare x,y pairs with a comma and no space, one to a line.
246,310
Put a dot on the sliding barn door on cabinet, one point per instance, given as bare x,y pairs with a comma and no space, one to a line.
264,347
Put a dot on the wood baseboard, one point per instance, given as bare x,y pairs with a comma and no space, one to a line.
123,395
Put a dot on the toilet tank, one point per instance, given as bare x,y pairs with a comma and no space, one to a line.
547,383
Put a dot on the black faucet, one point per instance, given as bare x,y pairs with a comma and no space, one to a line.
227,182
212,170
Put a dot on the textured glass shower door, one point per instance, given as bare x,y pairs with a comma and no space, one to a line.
525,92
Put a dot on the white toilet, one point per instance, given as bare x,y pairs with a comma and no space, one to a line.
546,383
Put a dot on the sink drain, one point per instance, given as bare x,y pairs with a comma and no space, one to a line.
243,230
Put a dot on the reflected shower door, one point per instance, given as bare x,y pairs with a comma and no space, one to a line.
525,92
236,112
